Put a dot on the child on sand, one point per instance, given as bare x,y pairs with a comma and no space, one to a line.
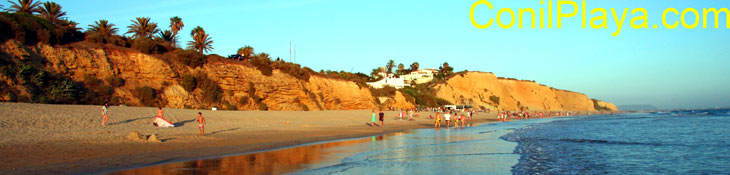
373,118
201,123
104,110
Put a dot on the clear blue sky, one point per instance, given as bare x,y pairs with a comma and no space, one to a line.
675,68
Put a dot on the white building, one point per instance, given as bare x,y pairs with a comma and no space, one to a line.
420,76
389,80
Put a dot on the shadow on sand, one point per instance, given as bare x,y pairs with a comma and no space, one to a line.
182,123
220,131
371,125
130,120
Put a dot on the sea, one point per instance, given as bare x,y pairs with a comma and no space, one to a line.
677,142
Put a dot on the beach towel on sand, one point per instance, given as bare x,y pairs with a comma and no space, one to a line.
161,122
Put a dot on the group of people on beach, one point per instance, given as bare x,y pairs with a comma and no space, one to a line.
159,120
506,115
461,117
403,114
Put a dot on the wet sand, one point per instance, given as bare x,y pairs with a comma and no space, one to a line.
68,139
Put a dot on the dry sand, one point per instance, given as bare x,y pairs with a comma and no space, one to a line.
68,139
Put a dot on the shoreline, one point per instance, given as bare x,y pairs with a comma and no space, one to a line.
68,139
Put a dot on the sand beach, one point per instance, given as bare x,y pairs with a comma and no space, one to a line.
68,139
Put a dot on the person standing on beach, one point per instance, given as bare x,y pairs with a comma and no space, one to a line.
458,119
201,124
373,118
382,116
447,117
437,124
463,120
104,110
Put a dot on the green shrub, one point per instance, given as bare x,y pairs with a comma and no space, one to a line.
191,58
243,101
263,65
212,92
263,107
42,86
292,69
146,95
188,82
494,99
358,78
423,96
229,106
386,91
149,46
31,29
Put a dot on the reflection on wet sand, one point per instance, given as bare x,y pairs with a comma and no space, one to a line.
270,162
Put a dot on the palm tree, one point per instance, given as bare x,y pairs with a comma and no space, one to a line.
166,36
196,30
176,25
414,66
401,69
201,42
389,66
70,24
374,74
103,28
246,52
142,27
52,12
24,6
446,68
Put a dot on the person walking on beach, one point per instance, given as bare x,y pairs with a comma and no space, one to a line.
104,110
437,123
382,116
201,124
373,118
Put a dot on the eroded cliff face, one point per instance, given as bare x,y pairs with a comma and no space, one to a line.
608,105
485,89
246,88
283,92
239,82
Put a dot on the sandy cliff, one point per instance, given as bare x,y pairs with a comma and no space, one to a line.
245,87
487,90
278,91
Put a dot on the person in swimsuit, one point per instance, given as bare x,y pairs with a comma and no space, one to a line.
160,113
382,116
201,124
373,119
104,110
462,118
437,123
458,119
